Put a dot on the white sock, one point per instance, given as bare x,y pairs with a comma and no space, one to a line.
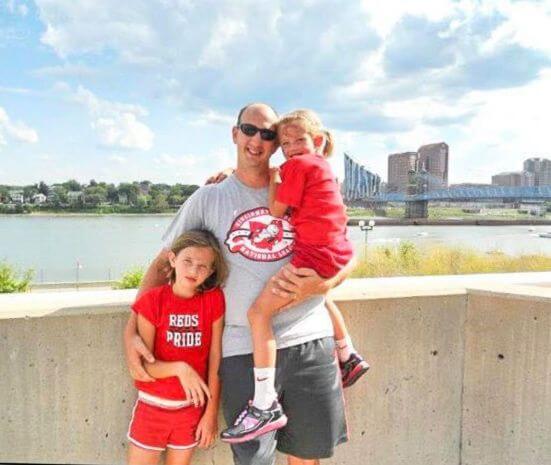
264,388
345,348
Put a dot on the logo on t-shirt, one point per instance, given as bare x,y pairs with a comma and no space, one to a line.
259,236
183,331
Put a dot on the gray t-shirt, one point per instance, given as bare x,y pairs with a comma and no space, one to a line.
255,246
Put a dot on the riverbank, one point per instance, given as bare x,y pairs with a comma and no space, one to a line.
380,221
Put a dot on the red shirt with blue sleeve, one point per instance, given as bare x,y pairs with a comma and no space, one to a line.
318,214
183,332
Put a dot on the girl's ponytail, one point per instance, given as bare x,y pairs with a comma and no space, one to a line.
329,143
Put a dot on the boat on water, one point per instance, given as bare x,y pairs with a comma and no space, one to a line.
545,234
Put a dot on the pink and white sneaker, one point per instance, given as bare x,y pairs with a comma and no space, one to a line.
353,369
253,422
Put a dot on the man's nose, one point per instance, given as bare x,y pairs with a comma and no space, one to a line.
256,138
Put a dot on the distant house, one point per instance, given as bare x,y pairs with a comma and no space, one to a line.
16,196
39,198
74,197
123,198
145,187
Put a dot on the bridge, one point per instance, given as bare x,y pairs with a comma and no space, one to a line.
462,194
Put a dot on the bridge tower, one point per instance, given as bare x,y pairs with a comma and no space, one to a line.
417,184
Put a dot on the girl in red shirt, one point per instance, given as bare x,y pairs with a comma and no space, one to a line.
305,186
181,324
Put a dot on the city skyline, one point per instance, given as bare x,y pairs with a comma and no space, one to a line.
141,89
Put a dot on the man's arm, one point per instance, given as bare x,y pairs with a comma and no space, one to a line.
302,283
134,347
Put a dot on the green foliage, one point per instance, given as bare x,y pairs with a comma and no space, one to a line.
131,279
13,281
409,260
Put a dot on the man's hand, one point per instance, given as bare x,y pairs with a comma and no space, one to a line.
220,176
136,351
195,388
298,284
207,429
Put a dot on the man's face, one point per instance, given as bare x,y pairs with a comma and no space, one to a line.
253,151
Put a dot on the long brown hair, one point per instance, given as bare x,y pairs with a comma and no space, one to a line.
203,238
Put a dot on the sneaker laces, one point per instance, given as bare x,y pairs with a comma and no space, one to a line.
243,414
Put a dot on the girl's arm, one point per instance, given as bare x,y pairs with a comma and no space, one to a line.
277,209
195,388
207,430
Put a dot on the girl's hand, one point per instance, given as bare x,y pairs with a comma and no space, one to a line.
195,388
275,176
207,430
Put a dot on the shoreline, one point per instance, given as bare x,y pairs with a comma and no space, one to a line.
450,222
380,221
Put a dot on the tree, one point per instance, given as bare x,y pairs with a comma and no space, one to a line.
43,188
29,192
4,194
95,195
159,203
72,186
131,191
187,190
59,195
112,194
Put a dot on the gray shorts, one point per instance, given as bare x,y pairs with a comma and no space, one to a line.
308,382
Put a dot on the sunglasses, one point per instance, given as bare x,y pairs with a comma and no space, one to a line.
250,130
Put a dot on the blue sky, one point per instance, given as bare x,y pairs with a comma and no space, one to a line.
120,90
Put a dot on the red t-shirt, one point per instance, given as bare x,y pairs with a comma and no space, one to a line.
318,213
183,333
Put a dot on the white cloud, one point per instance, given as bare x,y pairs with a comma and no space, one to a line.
116,124
183,161
119,159
16,130
215,54
17,7
15,90
209,117
66,69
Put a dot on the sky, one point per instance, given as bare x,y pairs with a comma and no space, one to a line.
124,90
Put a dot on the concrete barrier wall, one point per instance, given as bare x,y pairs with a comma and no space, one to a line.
438,393
507,383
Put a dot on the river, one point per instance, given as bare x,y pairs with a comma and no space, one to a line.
59,248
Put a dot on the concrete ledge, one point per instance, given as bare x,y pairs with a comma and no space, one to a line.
460,373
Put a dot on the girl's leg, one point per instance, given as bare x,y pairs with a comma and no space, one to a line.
138,456
339,326
264,346
179,456
353,366
342,338
264,414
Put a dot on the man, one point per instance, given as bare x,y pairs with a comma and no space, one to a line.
256,247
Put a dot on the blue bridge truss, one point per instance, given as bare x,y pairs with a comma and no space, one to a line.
469,194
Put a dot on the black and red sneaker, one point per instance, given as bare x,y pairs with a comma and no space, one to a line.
253,422
353,369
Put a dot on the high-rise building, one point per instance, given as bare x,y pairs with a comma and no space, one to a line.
513,179
433,158
399,165
541,170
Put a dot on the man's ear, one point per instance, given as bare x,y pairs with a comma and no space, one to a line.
234,134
